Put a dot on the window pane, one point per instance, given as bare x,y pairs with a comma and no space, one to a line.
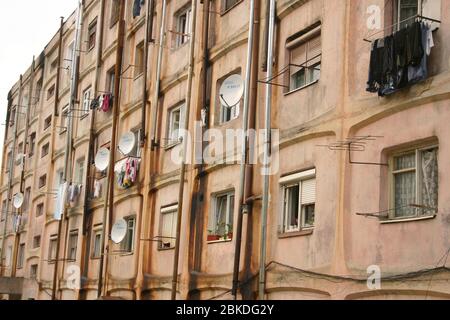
405,162
292,208
221,215
408,9
405,194
308,212
430,181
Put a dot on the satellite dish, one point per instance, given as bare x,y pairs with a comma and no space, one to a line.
18,200
119,231
127,143
102,159
231,91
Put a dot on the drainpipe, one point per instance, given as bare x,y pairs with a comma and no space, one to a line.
11,170
267,149
68,150
109,203
58,72
90,157
244,141
184,150
148,35
162,35
24,151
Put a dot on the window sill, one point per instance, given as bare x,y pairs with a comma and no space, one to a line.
220,241
413,219
295,234
84,116
300,88
165,249
136,77
171,146
62,132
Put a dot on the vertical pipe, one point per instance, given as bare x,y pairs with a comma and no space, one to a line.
184,150
158,75
244,141
58,71
109,203
148,35
90,157
68,149
11,171
267,149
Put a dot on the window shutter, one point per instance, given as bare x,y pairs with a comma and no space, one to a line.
309,191
298,55
432,9
314,50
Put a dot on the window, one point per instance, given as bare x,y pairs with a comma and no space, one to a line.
415,183
86,101
42,181
8,256
406,10
12,119
32,143
4,210
299,198
228,112
52,249
127,244
115,12
47,122
39,210
36,242
21,256
110,80
221,221
92,35
38,89
45,150
33,271
8,161
27,198
228,4
97,245
54,64
20,148
176,119
59,178
139,60
69,55
50,92
168,227
73,243
183,26
64,119
305,55
79,173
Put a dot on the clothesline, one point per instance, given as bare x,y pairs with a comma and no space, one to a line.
400,22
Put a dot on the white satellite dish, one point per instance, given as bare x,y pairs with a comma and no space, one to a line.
127,143
119,231
102,159
231,91
18,200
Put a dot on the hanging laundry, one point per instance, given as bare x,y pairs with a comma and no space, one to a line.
100,101
107,102
95,104
16,222
137,7
127,172
399,60
59,206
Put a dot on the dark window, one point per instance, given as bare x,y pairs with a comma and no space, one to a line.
39,210
36,242
45,150
42,181
32,143
51,92
128,243
92,35
47,122
115,12
73,243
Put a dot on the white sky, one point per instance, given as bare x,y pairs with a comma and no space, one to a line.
26,26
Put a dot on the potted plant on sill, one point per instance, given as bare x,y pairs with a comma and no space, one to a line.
212,236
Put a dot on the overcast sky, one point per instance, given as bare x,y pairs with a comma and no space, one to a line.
26,26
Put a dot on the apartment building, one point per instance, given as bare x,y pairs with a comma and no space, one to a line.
357,190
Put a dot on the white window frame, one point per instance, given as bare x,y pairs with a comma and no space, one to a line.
289,182
72,246
229,218
86,100
52,249
64,119
399,5
183,26
418,178
79,172
171,139
168,238
131,233
97,244
21,256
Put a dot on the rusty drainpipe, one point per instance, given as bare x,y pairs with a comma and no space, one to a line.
109,204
